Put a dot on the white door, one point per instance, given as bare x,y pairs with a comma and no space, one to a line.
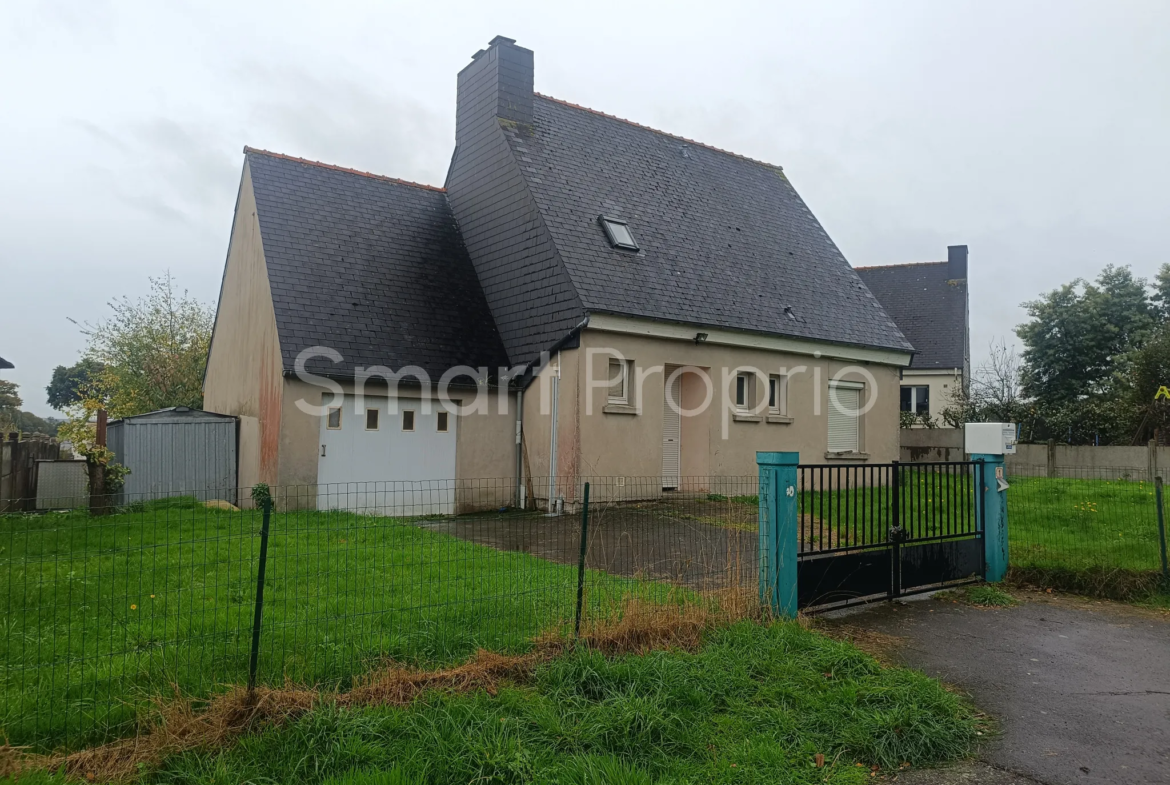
385,459
672,435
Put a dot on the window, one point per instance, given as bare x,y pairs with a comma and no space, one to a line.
778,395
407,420
619,381
618,233
441,422
916,399
333,421
844,416
743,391
371,419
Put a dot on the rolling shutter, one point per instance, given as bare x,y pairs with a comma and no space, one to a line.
844,433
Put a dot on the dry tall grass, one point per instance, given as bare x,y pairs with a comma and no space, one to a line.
177,725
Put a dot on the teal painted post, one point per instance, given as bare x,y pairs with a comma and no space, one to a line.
779,531
991,507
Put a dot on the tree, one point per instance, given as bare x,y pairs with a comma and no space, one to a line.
67,385
1162,291
994,393
10,403
1148,372
151,352
1078,332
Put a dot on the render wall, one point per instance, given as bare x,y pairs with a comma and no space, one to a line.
244,365
485,448
717,443
942,386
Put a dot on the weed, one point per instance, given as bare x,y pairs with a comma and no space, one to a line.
989,594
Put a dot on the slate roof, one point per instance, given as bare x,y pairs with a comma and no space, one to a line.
930,308
725,241
371,266
4,364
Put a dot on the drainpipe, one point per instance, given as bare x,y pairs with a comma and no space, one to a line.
520,448
552,440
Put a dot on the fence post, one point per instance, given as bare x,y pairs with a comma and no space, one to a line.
1161,530
254,661
991,509
1051,461
779,531
895,533
581,561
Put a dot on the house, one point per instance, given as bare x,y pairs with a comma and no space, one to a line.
930,304
5,365
585,296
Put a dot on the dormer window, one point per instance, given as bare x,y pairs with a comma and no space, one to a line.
618,233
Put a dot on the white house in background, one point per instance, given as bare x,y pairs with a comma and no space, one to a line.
929,303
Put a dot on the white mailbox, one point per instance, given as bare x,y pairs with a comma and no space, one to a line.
990,438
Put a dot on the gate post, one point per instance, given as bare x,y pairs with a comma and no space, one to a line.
991,509
779,531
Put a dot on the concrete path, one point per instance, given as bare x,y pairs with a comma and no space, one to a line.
1081,689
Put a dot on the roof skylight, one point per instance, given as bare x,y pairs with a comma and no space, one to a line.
618,233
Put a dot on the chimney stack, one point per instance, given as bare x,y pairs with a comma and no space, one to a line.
497,83
957,262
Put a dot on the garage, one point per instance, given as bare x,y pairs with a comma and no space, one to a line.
387,456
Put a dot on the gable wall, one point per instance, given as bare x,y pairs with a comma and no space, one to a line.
244,366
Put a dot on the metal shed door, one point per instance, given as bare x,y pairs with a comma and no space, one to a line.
672,435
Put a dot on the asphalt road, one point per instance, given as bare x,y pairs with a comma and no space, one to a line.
1081,689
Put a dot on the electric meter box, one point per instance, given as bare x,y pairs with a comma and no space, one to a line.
990,438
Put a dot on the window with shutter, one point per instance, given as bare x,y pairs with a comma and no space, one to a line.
844,422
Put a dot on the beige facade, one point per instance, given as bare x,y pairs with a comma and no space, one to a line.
942,384
244,366
599,438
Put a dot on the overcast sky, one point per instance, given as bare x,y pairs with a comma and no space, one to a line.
1038,133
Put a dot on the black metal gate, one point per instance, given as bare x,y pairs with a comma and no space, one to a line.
874,532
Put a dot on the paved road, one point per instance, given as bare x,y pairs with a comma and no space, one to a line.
1082,689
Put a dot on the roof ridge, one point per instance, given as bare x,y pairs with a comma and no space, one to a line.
657,131
899,264
345,169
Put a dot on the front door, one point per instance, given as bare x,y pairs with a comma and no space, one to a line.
672,434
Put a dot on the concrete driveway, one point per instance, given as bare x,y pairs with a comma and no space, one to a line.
1081,689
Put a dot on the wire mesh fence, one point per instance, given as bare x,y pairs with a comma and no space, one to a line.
105,614
1091,530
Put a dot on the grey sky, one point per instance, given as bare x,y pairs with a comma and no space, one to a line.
1036,132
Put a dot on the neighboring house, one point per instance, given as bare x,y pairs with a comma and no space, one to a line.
617,264
929,303
5,365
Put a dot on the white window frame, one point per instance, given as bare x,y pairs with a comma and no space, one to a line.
859,445
377,419
746,379
914,388
413,421
329,414
443,422
778,395
622,386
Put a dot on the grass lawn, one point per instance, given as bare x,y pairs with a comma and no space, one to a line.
1099,536
755,704
100,615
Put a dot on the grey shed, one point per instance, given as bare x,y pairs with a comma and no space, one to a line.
176,452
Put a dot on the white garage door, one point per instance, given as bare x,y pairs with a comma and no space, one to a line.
385,459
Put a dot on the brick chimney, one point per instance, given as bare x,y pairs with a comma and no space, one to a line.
497,83
957,262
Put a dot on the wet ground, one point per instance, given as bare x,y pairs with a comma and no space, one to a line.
1081,689
689,542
